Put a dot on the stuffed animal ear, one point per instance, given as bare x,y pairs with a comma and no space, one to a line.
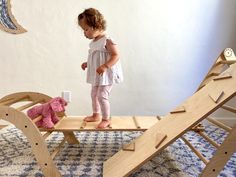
56,105
63,102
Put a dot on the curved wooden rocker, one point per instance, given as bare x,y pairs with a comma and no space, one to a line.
217,88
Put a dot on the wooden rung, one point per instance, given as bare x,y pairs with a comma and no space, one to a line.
215,96
159,139
136,122
37,119
45,135
12,101
195,150
228,62
83,125
178,109
158,117
29,105
213,74
229,108
58,148
198,128
224,76
208,139
219,124
129,147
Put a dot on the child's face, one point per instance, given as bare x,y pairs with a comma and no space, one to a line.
89,32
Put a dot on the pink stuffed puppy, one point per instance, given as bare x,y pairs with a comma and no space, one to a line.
48,111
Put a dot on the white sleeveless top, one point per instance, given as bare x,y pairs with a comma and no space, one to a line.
98,55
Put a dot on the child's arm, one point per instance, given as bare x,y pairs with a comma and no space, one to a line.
114,57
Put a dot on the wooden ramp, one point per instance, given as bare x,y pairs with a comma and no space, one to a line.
172,126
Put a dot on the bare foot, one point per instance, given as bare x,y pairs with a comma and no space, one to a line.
94,118
104,124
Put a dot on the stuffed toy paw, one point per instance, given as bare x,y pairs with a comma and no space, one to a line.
48,112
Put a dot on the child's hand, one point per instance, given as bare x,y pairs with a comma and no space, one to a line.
84,65
101,69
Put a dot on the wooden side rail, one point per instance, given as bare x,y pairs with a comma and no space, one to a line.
222,155
12,101
219,124
34,137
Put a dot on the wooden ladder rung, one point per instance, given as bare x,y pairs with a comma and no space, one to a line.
213,74
158,117
208,139
58,148
228,62
45,135
224,76
219,124
136,122
159,139
229,108
29,105
83,125
37,119
195,150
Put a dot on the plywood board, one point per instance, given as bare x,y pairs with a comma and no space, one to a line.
199,106
119,123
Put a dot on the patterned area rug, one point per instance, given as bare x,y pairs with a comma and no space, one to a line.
86,159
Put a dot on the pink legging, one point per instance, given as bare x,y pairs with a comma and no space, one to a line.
100,100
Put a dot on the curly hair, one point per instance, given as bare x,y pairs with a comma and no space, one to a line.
93,18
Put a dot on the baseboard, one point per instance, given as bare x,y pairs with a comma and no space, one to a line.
230,121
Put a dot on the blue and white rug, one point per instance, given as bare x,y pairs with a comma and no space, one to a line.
86,159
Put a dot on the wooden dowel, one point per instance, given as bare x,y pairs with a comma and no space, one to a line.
57,149
208,139
229,62
129,147
158,117
198,128
29,105
229,108
46,135
136,122
195,151
7,103
37,119
219,124
159,139
213,74
83,125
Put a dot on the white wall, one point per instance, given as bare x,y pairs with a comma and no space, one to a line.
166,49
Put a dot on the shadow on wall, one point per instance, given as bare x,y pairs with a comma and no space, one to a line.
226,28
222,34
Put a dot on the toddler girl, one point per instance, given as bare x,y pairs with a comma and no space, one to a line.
103,65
